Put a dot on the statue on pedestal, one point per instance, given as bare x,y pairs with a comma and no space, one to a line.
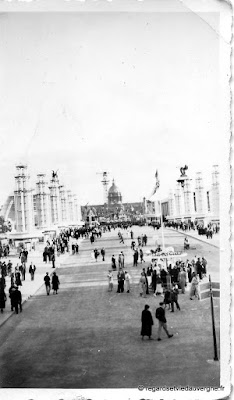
183,169
54,174
183,175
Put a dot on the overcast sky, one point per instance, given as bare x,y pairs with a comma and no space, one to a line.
124,93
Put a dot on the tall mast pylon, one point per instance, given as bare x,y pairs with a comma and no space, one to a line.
105,181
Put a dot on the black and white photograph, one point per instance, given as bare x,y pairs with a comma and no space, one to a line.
115,199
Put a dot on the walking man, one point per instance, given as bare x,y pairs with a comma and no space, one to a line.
174,298
3,299
47,283
53,260
162,322
120,261
204,264
120,277
199,268
16,300
96,254
121,238
11,290
135,258
103,253
113,262
32,270
142,256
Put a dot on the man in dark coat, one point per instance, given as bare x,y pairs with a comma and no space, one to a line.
3,299
47,283
45,255
199,268
12,289
17,278
16,300
135,258
96,254
53,260
174,298
204,264
147,322
113,262
32,270
103,254
55,283
121,278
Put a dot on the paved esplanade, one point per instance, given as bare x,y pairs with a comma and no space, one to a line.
87,337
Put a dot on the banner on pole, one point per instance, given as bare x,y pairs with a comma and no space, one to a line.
169,255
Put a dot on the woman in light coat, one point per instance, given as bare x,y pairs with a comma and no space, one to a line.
194,290
143,285
182,279
127,280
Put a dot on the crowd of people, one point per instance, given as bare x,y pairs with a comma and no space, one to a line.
208,231
160,278
17,275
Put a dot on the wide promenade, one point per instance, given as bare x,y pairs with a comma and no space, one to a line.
87,337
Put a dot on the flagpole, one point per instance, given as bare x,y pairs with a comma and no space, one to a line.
160,205
161,218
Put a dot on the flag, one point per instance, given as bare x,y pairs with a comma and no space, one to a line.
157,184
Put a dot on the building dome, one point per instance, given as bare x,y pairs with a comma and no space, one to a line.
114,195
114,188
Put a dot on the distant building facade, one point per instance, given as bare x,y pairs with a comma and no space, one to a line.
190,201
113,210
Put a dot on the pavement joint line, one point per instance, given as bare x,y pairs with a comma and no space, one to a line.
193,237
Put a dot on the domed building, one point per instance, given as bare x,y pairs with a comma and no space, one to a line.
114,195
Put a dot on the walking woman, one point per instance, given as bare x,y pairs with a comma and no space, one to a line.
194,291
143,285
146,323
182,279
55,283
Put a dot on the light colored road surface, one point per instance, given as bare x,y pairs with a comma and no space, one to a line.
86,337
